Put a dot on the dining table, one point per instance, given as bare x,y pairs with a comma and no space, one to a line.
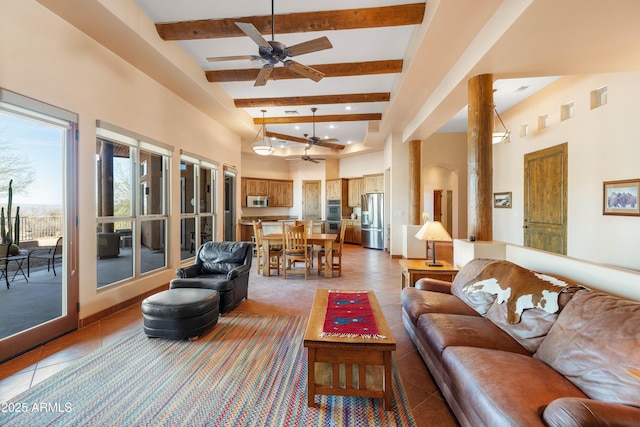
321,239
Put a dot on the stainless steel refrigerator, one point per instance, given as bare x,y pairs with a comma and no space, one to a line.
372,220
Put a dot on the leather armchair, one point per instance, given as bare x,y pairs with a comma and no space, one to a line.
221,266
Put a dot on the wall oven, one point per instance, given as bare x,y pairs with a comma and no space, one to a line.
334,216
333,227
334,210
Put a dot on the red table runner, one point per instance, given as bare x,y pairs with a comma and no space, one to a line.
349,315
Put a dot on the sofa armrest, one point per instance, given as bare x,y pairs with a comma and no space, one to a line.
238,271
582,412
436,285
189,271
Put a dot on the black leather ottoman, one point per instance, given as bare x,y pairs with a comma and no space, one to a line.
180,313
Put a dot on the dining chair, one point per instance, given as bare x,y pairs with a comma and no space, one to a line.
336,252
296,249
268,255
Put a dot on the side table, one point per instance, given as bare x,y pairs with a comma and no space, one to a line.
416,269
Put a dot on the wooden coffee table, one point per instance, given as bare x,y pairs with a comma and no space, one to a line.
345,358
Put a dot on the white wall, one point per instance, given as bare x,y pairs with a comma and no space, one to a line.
45,58
365,164
444,167
603,146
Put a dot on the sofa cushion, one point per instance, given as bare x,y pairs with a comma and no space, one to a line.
479,301
445,330
534,324
499,388
595,343
416,302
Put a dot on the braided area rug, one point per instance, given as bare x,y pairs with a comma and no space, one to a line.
249,370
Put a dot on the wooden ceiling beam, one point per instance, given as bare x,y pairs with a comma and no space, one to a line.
329,70
387,16
312,100
319,119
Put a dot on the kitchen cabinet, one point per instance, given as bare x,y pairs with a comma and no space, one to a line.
243,192
353,232
374,183
280,193
356,189
257,187
337,188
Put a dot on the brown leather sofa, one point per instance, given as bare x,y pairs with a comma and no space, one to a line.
510,347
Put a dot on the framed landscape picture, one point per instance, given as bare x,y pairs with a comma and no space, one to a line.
502,200
621,197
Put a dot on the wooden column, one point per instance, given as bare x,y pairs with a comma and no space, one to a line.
415,165
480,157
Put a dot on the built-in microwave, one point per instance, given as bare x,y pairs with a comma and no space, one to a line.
257,201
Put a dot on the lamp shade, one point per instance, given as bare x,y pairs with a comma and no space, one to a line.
433,230
262,147
262,144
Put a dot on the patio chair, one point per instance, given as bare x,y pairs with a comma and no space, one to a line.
51,254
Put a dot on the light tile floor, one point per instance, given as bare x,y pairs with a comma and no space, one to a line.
362,269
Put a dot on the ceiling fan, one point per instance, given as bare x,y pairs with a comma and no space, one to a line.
273,52
308,158
313,140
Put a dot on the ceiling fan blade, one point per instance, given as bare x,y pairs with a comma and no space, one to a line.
303,70
287,137
233,58
313,160
330,145
263,75
314,45
253,34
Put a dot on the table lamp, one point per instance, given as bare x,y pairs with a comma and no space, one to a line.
434,231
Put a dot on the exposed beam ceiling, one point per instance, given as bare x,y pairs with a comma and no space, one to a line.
312,100
319,119
368,48
329,70
388,16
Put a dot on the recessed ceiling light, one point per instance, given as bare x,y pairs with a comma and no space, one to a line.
296,127
331,126
348,142
348,107
326,137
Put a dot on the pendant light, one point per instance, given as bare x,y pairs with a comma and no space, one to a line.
262,144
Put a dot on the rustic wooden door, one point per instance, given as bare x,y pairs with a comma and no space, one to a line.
437,205
311,199
545,199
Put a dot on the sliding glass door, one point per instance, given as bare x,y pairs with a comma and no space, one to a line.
38,290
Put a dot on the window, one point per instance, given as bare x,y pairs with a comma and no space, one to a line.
132,213
197,209
566,111
599,97
543,121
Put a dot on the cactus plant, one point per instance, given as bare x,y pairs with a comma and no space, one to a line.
7,231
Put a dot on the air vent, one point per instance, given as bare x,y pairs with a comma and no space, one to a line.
291,112
522,88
